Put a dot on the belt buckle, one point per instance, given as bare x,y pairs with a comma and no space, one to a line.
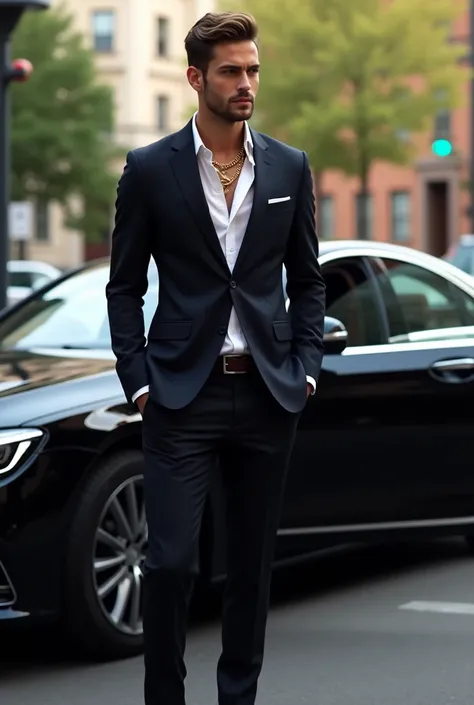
230,372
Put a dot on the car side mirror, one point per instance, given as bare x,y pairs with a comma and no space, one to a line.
335,336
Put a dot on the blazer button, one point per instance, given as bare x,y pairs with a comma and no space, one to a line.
233,284
221,330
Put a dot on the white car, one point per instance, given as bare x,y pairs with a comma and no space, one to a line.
26,276
462,254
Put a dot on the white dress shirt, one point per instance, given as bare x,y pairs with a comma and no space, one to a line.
230,226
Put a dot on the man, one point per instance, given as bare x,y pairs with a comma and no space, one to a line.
226,370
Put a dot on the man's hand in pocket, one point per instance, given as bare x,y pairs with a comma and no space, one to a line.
141,402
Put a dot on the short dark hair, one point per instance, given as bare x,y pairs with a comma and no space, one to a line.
216,28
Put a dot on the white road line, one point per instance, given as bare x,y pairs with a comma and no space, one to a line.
440,607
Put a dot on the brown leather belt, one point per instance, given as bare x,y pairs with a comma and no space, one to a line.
234,364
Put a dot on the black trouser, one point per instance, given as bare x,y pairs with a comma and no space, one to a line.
236,425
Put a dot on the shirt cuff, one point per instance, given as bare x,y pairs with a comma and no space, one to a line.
312,382
142,390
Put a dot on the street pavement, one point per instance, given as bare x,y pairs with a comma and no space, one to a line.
377,626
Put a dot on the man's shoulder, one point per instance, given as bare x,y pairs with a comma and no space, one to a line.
280,148
162,148
154,149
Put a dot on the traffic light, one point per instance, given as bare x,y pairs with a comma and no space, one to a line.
20,70
442,147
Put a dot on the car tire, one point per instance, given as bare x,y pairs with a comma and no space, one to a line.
469,538
92,615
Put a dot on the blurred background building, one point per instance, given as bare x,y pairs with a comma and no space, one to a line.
139,46
424,205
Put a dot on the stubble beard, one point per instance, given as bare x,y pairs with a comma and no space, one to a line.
225,111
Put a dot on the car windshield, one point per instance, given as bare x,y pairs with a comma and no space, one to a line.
71,314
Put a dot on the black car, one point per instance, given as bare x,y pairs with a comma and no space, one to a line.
383,449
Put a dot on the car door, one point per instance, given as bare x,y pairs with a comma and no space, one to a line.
388,437
430,419
339,450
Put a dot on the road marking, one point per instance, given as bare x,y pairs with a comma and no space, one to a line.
440,607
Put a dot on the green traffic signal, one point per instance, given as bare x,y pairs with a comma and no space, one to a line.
442,148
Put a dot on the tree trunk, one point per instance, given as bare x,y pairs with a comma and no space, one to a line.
363,214
362,162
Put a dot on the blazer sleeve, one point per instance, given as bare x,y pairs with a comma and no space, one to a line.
128,281
305,284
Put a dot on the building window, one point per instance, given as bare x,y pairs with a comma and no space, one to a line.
442,125
162,40
163,109
400,215
326,217
103,30
364,216
42,221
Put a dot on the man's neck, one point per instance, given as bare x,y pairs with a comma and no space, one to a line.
220,137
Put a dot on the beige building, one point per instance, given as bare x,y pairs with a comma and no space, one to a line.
139,46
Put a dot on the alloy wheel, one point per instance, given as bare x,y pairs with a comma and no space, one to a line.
119,549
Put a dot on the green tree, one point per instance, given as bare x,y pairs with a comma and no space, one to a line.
356,82
62,124
291,83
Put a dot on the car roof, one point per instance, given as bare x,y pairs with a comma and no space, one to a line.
368,248
328,250
29,265
325,247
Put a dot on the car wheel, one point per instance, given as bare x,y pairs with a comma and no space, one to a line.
107,544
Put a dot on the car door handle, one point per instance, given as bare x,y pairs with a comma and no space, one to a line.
462,363
454,371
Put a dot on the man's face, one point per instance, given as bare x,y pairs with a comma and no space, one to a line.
230,84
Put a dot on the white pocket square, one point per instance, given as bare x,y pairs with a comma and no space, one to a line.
279,200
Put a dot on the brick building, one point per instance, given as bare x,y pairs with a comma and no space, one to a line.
423,205
139,48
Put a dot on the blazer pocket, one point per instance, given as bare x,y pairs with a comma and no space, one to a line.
280,206
282,330
281,199
170,330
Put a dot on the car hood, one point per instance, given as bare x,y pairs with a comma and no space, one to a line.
37,384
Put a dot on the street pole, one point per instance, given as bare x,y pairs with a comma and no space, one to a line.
4,165
10,13
471,119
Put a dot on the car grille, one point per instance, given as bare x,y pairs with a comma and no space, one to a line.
7,593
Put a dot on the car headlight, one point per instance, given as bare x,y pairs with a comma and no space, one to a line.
17,446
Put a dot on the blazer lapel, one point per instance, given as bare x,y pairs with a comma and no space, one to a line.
263,164
186,171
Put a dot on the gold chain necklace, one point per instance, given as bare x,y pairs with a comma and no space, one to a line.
225,180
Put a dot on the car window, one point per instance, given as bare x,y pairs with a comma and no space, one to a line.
38,280
72,313
19,279
421,304
350,298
